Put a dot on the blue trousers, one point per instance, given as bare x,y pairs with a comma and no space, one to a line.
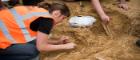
19,52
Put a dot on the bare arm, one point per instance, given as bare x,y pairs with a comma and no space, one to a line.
43,45
53,42
98,7
62,40
100,11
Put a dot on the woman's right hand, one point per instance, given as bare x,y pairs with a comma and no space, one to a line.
105,19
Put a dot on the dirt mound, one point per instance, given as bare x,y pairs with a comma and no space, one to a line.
136,24
93,43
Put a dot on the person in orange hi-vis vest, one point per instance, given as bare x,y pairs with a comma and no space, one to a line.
24,30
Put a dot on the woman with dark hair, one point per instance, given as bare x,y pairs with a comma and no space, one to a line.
25,29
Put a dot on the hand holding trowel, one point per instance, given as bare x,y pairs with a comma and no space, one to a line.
105,22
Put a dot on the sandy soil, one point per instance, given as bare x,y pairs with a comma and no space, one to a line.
93,43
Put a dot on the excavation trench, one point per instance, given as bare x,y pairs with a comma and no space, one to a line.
93,43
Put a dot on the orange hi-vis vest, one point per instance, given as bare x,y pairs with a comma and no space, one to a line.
15,24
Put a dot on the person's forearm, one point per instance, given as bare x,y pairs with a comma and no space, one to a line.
53,41
98,7
55,47
50,47
43,45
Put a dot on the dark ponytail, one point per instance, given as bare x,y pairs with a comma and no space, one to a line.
56,6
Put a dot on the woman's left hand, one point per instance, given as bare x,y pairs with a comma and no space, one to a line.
64,40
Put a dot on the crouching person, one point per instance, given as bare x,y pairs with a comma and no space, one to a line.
24,30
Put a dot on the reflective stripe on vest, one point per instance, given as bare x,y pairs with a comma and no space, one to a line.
20,21
6,32
29,15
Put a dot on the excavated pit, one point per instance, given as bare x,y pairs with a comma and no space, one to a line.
93,43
